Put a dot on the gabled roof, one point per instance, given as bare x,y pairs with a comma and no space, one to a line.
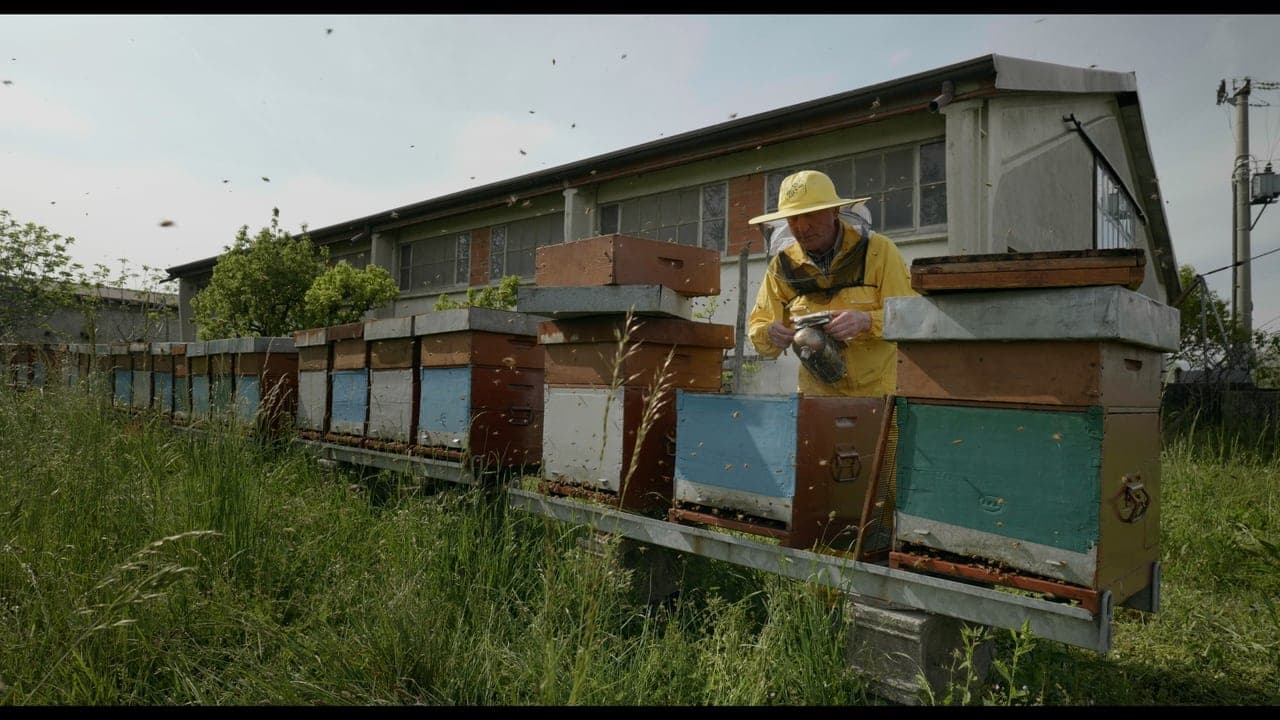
984,76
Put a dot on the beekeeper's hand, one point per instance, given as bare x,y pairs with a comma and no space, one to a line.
780,334
845,325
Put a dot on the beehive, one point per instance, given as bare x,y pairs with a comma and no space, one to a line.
348,382
122,374
181,382
784,466
63,359
480,386
1028,449
392,381
18,365
74,364
597,435
162,377
198,372
585,351
140,362
596,441
222,379
265,369
102,376
624,260
313,381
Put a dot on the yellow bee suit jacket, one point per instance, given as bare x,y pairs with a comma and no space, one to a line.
870,361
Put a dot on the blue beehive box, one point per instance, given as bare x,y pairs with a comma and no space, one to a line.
791,467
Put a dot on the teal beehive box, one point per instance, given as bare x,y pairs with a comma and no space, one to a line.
1028,447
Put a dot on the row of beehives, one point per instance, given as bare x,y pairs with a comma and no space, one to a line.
1022,444
24,365
245,377
1008,441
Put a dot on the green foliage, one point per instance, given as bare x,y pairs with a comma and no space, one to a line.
498,297
1212,338
145,566
259,285
272,284
343,294
37,275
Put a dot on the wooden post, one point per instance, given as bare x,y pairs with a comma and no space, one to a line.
740,328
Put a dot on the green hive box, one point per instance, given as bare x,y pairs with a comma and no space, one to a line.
1066,494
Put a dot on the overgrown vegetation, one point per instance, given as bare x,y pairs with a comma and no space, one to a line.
497,297
274,283
144,565
1215,342
37,275
38,278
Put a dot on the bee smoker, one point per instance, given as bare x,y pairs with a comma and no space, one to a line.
818,351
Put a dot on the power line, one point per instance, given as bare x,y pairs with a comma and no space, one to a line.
1241,262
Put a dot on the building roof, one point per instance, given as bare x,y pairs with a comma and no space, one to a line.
980,77
125,295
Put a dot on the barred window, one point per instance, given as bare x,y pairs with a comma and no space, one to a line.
433,263
1113,213
694,216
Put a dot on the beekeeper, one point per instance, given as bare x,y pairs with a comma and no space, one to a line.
834,278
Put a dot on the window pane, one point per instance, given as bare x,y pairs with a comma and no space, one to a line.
873,206
668,233
648,210
629,217
609,219
897,209
406,262
933,204
933,162
689,205
688,234
713,201
772,185
869,174
899,170
713,235
462,266
498,252
841,174
669,208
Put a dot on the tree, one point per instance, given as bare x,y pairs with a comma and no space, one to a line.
273,283
37,275
101,295
498,297
1215,342
343,294
259,285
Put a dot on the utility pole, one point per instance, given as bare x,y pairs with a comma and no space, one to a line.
1242,286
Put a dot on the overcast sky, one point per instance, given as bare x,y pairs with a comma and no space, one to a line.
111,124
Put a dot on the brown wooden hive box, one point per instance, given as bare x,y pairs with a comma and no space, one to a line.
1059,268
584,351
1110,374
625,260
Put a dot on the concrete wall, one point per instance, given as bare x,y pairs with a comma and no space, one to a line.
114,322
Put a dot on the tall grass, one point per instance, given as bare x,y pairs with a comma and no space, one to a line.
144,565
140,564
